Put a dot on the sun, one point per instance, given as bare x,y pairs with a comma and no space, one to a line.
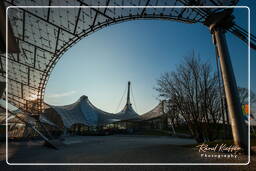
33,97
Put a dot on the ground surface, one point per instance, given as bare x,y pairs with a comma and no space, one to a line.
115,149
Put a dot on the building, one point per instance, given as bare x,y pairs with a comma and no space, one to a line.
82,117
156,118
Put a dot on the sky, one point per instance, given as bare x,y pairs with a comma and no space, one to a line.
101,64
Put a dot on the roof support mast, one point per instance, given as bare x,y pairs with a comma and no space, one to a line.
217,24
128,102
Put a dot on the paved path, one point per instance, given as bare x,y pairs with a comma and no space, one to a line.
111,149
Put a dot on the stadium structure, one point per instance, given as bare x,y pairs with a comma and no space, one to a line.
84,118
36,33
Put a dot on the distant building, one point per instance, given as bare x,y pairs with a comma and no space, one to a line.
156,118
82,118
83,115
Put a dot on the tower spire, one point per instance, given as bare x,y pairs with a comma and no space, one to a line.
128,94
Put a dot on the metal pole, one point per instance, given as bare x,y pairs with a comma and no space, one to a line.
239,132
220,93
128,94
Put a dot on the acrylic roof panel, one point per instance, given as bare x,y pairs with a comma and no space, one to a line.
44,34
154,113
79,112
128,113
84,112
17,118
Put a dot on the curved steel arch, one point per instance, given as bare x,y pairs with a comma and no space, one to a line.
44,34
77,39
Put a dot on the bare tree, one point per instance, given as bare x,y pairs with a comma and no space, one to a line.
243,94
193,88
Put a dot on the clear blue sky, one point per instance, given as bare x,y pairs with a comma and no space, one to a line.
100,65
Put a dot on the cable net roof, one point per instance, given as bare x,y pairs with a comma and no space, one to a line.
158,111
84,112
128,113
44,34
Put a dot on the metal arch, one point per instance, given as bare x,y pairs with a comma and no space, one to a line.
38,76
96,28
